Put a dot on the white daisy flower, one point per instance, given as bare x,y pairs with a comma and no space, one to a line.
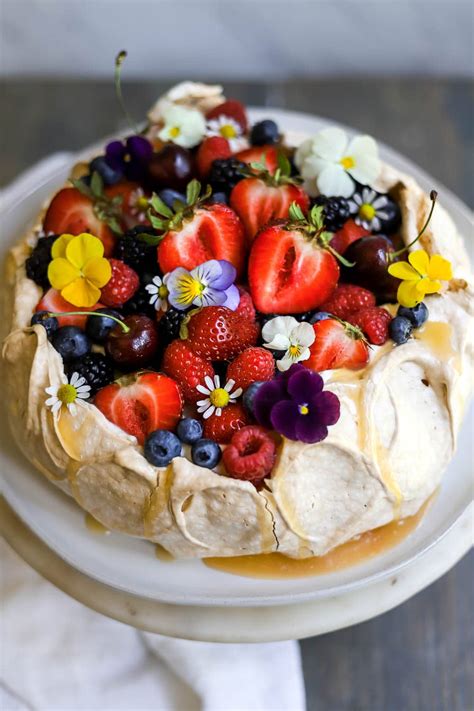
158,293
367,207
139,204
70,393
228,128
328,161
217,397
285,333
183,126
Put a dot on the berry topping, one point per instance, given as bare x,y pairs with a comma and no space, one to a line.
169,325
187,368
134,342
346,299
98,327
374,322
221,427
123,284
251,365
337,345
172,167
335,211
49,323
349,233
206,453
133,249
232,109
400,329
416,315
189,430
250,455
264,133
225,174
141,403
52,301
245,307
161,446
36,265
212,150
71,343
216,333
96,368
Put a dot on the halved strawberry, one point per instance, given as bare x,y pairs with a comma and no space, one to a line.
211,149
258,203
350,232
337,345
54,302
268,155
232,108
71,212
212,232
141,403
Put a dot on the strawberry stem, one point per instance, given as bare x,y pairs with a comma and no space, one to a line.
119,59
123,325
394,255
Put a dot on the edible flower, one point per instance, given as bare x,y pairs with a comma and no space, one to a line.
78,268
295,405
329,161
367,208
131,157
138,205
285,333
158,291
217,397
228,128
421,275
70,393
209,284
183,126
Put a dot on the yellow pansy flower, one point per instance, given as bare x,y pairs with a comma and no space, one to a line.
78,268
421,275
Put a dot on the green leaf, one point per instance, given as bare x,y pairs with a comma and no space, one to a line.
316,216
295,212
97,185
114,224
151,240
82,187
192,192
160,207
258,165
157,223
284,165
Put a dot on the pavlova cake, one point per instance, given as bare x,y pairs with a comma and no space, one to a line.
230,339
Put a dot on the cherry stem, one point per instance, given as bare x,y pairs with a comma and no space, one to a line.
118,89
123,325
433,197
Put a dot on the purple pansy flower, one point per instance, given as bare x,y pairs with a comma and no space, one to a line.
209,284
295,405
130,157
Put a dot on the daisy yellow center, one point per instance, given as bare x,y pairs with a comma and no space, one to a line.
219,397
67,394
175,131
304,409
163,292
366,211
347,162
142,203
294,350
228,131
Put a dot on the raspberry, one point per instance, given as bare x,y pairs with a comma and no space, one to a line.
374,322
251,365
123,284
245,307
217,333
250,455
346,299
349,233
222,427
187,368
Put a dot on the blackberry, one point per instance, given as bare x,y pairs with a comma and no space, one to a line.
336,211
134,251
96,368
37,263
225,174
170,324
139,304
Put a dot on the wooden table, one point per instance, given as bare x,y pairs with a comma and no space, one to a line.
418,657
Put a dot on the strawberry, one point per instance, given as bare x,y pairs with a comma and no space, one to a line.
374,322
346,299
72,212
141,403
250,454
350,232
245,307
337,345
217,333
122,285
290,267
268,155
221,427
211,149
232,108
253,364
187,368
53,301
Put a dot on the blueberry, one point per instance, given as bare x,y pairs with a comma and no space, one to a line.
206,453
249,395
189,430
319,316
50,323
169,197
220,198
417,315
400,329
161,446
264,132
109,175
99,327
71,343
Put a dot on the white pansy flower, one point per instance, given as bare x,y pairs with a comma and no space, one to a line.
217,397
329,160
183,126
158,293
228,128
367,207
69,393
285,333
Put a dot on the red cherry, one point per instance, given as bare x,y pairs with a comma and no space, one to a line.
172,167
137,346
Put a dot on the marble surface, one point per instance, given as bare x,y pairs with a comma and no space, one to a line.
361,667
